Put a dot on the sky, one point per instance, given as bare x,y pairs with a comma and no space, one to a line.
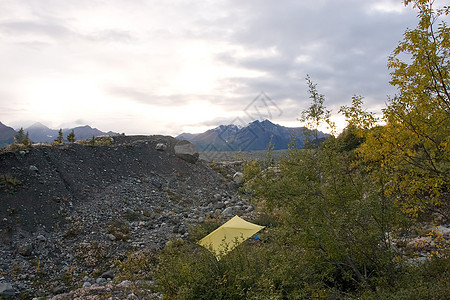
167,67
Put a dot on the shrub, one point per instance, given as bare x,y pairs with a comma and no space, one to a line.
136,266
120,229
431,280
256,269
9,183
91,254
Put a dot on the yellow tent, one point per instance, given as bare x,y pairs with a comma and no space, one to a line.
229,236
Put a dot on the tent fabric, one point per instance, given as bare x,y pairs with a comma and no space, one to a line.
229,236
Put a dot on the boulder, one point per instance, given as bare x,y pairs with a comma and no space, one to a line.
7,290
228,212
238,177
186,151
161,147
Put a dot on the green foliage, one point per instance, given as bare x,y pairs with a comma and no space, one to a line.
97,141
269,161
197,232
120,229
334,210
218,168
74,228
357,118
131,215
21,142
316,114
350,139
136,266
60,139
92,141
270,268
71,137
335,213
9,183
428,281
188,271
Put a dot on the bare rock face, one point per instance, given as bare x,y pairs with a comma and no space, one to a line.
186,151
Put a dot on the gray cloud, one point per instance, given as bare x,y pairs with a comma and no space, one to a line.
33,27
346,48
343,45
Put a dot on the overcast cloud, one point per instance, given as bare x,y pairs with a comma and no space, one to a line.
164,67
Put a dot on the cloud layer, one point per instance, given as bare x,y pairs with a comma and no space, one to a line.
163,67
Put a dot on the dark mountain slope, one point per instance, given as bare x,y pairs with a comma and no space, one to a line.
7,135
255,136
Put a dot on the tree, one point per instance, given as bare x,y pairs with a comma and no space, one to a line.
22,139
357,117
19,138
331,213
317,113
60,138
412,151
27,141
71,137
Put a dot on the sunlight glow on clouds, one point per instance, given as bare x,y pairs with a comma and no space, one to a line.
164,67
388,6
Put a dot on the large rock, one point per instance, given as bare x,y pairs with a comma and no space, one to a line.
228,212
186,151
7,290
161,147
238,177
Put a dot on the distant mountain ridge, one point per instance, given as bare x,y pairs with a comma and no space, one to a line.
7,135
254,136
39,133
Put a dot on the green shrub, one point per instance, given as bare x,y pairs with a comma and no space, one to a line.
430,280
257,269
136,266
120,229
327,206
9,183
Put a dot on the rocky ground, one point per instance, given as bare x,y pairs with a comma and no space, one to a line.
68,212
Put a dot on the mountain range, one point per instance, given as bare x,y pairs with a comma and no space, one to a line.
7,135
39,133
255,136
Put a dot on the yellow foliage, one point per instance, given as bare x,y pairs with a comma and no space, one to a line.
411,152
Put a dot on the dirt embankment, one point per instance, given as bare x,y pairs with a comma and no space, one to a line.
57,202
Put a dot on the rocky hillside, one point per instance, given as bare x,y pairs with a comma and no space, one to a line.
73,210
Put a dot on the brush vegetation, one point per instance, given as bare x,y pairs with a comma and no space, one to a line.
340,215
